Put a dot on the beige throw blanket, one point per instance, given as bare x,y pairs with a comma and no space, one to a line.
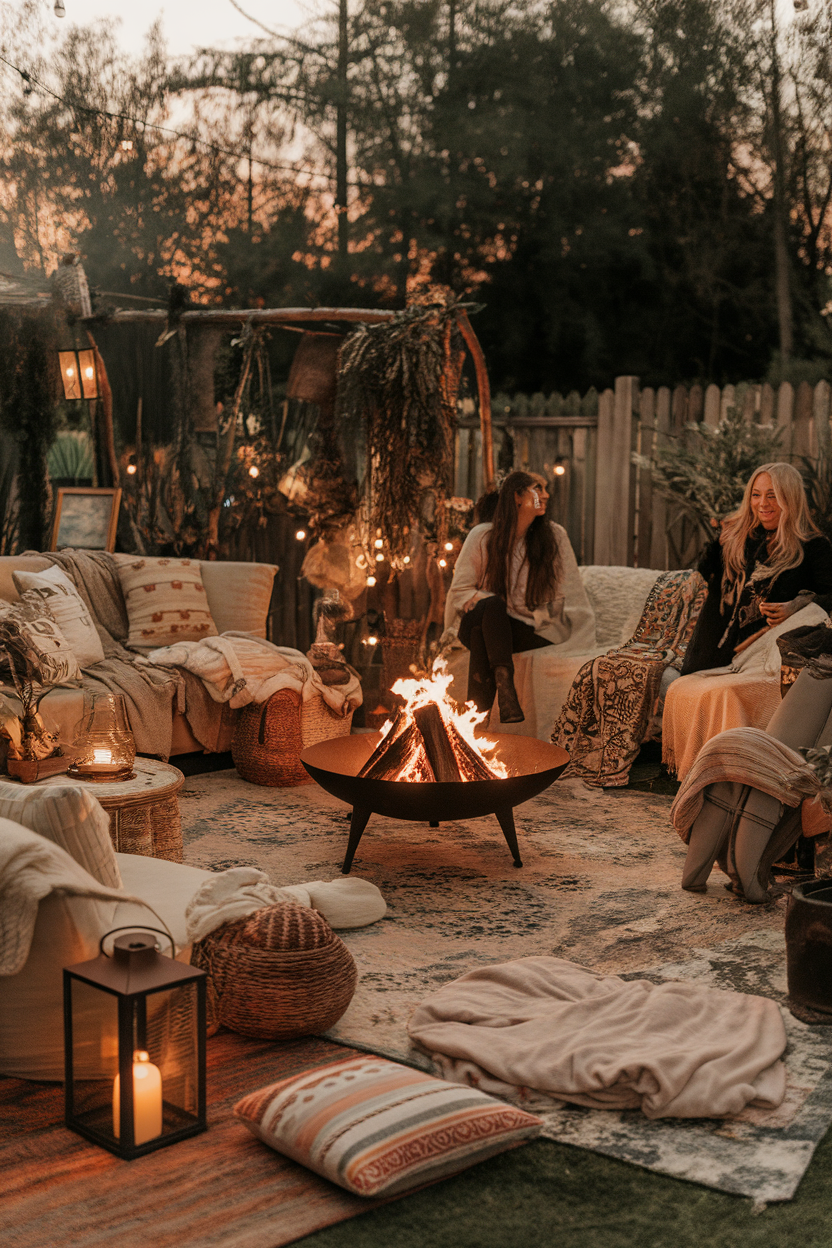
239,668
747,756
673,1050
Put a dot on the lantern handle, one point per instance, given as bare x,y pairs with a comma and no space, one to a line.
135,927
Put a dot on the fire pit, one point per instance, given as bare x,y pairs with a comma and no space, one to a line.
532,766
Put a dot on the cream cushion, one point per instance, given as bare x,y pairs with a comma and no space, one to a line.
68,929
28,628
70,816
69,610
239,595
165,601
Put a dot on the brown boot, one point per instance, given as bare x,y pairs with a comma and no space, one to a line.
511,712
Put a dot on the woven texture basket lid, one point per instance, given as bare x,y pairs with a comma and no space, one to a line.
283,927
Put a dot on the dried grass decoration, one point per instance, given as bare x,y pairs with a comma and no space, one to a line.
397,391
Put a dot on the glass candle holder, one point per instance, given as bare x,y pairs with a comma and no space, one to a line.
104,749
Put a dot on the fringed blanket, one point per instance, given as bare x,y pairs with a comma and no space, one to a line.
672,1050
747,756
605,717
239,668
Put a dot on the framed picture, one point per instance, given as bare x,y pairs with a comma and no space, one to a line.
85,519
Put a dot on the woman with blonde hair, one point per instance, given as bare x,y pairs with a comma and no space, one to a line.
769,560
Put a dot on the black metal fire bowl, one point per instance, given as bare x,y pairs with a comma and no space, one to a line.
533,765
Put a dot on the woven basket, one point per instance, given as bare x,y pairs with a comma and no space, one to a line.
279,973
269,737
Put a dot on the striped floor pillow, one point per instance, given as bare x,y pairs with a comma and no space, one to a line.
378,1128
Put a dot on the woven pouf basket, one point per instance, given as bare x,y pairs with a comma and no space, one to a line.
278,974
269,737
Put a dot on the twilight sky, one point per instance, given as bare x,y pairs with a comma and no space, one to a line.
188,23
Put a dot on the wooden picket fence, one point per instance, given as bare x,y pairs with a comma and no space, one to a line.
604,497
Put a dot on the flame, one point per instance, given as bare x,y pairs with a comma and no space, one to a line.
423,690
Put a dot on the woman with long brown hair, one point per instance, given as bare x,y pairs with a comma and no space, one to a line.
516,586
769,560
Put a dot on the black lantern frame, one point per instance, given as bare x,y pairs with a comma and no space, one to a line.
127,1013
78,374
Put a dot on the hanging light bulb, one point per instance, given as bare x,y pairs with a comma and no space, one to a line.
371,580
378,543
372,641
379,558
300,536
406,559
449,545
559,470
59,9
254,471
131,467
443,563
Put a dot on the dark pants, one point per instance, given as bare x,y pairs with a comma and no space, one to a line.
492,636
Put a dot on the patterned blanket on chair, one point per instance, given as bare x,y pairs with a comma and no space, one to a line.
606,715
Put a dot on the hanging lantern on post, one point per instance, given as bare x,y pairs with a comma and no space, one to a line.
80,380
134,1036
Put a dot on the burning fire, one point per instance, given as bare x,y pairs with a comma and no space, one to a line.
423,744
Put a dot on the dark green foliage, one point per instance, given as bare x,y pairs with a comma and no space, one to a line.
28,379
706,470
394,395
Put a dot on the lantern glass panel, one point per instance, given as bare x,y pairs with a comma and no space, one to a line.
86,368
150,1040
70,377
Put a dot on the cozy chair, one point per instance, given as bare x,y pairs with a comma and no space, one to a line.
544,677
62,888
745,695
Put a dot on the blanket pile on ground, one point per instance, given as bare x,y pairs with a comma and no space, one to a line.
672,1050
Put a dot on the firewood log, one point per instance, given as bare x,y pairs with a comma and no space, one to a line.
439,749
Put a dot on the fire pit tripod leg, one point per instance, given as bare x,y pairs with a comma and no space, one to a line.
360,818
506,817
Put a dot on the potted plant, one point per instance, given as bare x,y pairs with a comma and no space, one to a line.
31,751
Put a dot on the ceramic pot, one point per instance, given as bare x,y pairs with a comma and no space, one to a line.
809,951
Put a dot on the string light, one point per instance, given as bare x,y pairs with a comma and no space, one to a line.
371,580
254,471
406,559
443,563
559,470
372,641
379,558
131,467
378,543
449,545
300,536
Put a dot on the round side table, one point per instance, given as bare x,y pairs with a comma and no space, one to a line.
144,811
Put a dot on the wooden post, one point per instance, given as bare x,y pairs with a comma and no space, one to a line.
614,492
484,391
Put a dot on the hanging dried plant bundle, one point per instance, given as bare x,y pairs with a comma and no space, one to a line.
397,388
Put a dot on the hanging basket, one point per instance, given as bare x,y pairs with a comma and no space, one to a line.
269,737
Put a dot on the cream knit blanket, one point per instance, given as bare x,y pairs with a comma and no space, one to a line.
672,1050
747,756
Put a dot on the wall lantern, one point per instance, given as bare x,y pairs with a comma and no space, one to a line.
134,1035
78,374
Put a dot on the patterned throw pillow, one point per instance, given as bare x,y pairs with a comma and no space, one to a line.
68,608
29,631
378,1128
165,600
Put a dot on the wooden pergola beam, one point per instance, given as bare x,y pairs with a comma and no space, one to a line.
215,318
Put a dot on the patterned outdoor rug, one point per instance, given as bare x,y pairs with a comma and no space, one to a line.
222,1189
599,886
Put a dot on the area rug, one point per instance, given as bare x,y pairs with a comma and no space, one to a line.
599,886
220,1188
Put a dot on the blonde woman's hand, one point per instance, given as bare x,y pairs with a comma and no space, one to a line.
775,613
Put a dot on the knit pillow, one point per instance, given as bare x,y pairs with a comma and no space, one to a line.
29,632
165,600
378,1128
69,609
70,816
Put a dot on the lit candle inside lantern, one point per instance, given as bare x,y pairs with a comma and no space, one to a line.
102,756
147,1100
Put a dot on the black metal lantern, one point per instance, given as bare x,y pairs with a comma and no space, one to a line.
134,1033
78,374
